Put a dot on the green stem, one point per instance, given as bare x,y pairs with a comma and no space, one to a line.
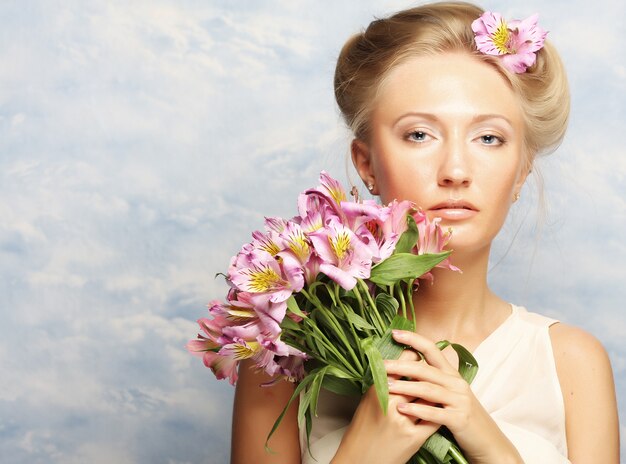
419,458
332,349
367,315
409,297
329,315
374,309
325,340
457,455
340,335
345,308
357,294
401,298
312,299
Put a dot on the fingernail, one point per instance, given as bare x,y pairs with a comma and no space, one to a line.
390,383
397,334
403,406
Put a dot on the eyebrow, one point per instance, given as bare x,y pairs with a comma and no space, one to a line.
429,116
484,117
475,119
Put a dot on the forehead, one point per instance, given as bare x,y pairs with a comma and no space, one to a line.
448,86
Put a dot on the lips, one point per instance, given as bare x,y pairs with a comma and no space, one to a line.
454,204
454,210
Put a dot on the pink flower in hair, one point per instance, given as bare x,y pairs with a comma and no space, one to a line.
515,42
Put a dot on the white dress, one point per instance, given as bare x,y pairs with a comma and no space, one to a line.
516,383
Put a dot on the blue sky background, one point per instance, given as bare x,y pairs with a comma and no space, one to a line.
140,144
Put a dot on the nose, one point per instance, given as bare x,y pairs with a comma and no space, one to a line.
455,169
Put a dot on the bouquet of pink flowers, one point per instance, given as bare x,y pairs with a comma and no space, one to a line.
314,299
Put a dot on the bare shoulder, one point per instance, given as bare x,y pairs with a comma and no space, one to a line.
577,351
586,379
256,407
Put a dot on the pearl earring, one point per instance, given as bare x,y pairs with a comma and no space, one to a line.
516,197
370,187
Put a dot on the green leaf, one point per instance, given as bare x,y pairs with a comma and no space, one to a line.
301,386
387,305
387,346
404,266
290,324
341,386
319,346
336,372
438,446
316,385
468,366
292,305
305,401
304,415
377,369
357,321
409,238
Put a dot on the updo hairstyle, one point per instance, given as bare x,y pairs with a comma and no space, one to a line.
368,57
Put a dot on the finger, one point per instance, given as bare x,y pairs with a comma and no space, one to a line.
428,348
424,412
423,372
426,428
432,393
409,355
406,355
394,399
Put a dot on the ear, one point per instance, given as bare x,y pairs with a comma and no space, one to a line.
526,170
361,158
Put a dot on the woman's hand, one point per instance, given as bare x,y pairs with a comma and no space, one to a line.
374,437
433,394
446,399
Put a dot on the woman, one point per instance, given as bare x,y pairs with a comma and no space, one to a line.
440,120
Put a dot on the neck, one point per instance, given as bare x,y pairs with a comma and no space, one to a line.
459,306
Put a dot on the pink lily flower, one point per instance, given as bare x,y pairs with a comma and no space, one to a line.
270,313
266,242
360,218
207,346
432,239
515,42
212,337
331,189
279,350
275,224
222,366
392,225
327,196
259,272
344,257
292,367
298,254
312,220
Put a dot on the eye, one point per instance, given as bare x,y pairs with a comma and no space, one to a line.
492,140
417,136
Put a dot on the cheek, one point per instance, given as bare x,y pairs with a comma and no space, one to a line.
500,189
405,181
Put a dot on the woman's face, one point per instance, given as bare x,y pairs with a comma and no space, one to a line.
446,133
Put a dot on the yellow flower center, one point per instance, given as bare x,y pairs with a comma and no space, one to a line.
270,246
263,280
298,245
338,195
246,351
240,315
501,38
340,244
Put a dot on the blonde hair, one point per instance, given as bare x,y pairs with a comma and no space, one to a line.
367,58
